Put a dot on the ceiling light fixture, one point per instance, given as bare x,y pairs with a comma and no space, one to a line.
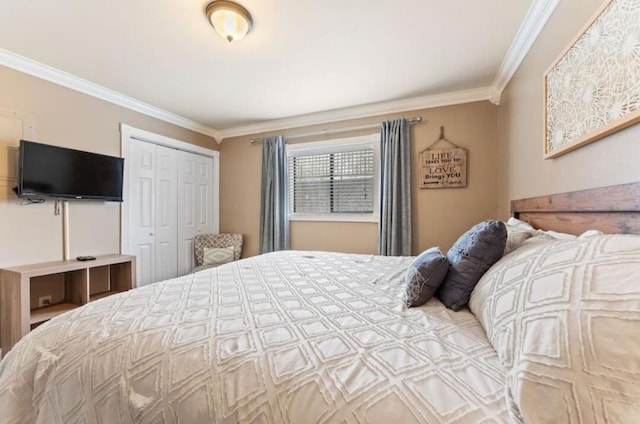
229,19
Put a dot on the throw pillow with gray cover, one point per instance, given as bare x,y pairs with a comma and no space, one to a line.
424,276
469,258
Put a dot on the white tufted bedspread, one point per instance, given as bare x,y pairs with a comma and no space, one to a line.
288,337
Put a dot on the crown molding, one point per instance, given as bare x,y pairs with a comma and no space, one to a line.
364,111
537,17
56,76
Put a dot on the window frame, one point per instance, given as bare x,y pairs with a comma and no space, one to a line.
338,145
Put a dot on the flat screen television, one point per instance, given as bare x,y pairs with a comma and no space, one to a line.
51,171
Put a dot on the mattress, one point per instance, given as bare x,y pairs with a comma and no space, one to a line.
287,337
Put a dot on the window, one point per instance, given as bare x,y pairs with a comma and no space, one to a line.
333,180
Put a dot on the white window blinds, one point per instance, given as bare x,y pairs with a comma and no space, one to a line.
340,182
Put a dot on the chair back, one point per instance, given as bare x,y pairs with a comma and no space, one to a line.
208,241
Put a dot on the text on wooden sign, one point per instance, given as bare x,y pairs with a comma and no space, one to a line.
443,168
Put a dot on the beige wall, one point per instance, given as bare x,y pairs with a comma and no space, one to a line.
70,119
523,172
439,215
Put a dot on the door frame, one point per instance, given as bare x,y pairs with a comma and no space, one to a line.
129,133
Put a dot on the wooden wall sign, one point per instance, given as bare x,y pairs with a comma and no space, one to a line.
443,168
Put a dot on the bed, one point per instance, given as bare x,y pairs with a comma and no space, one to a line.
319,337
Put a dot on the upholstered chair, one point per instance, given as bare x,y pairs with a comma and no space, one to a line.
214,249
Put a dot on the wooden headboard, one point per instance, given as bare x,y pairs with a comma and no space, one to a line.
612,210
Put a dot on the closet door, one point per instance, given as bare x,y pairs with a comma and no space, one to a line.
153,215
166,213
204,194
187,229
195,205
142,210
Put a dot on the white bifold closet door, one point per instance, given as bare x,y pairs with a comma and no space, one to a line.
170,202
195,202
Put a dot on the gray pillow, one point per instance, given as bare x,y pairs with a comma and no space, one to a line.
469,258
424,276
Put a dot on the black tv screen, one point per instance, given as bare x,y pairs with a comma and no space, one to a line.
51,171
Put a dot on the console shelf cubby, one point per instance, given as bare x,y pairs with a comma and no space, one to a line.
66,285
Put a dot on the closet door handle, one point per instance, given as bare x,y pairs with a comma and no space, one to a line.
151,234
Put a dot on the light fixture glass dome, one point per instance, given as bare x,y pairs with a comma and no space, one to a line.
229,19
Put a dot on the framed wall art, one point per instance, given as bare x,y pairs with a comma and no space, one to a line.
593,89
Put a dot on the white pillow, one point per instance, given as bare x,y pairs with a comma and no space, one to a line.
517,233
590,233
564,318
217,256
554,235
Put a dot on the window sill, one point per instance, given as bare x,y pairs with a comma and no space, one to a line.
335,218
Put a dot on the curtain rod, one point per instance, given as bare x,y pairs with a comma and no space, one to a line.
339,130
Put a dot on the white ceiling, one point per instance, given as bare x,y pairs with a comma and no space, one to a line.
302,56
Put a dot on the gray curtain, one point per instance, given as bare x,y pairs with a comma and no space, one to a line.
274,207
394,227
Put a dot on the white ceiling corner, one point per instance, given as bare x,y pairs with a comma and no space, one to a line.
56,76
535,20
364,111
176,40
